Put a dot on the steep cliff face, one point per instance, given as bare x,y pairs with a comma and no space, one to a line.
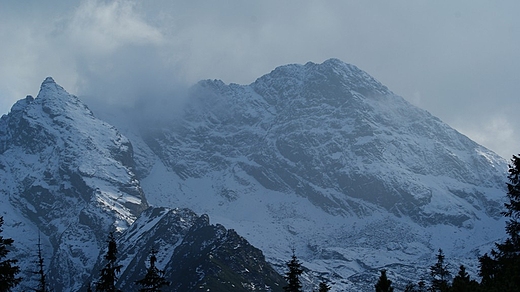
70,176
337,137
325,158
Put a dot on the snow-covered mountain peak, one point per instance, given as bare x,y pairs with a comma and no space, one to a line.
352,75
70,173
49,82
337,135
56,101
319,157
320,80
52,91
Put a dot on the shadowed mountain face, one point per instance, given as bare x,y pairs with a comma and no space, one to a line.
194,254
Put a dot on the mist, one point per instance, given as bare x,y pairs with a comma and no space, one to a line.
458,61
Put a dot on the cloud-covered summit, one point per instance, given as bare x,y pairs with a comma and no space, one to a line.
458,61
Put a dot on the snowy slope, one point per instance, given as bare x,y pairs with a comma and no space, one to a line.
324,158
67,175
321,158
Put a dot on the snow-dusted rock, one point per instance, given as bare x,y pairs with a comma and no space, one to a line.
70,176
324,158
321,158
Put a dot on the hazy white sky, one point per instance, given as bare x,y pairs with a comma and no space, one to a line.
460,60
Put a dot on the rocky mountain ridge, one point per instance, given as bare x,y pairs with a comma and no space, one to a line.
319,158
68,179
326,159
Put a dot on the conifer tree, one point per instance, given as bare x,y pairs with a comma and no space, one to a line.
462,282
323,287
439,273
154,278
8,267
383,284
293,275
500,271
420,287
108,278
42,283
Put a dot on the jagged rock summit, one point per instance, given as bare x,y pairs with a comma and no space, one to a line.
67,174
67,179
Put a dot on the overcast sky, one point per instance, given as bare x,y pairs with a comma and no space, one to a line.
459,60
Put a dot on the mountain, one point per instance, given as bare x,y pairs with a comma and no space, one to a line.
326,159
196,255
334,135
319,159
68,179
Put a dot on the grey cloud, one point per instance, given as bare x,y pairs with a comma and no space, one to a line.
456,60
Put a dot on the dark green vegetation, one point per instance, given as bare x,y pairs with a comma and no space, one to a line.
500,270
293,275
108,278
154,279
8,267
42,282
383,284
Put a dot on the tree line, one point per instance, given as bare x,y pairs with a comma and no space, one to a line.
499,269
153,280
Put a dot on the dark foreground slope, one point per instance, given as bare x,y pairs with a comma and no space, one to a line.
194,254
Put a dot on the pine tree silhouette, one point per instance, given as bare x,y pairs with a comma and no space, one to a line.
293,275
154,278
500,271
440,274
383,284
462,282
323,287
42,283
108,278
8,267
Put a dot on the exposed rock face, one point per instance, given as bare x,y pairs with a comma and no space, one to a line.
324,158
317,157
71,175
194,254
337,137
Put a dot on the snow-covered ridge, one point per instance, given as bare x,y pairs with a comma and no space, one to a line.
332,131
70,174
324,158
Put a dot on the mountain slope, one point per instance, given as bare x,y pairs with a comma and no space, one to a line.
68,179
324,158
194,254
67,174
319,158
